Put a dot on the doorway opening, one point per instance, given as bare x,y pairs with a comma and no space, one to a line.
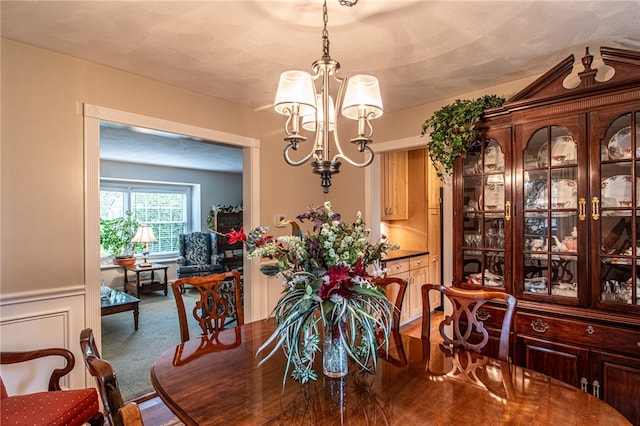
93,116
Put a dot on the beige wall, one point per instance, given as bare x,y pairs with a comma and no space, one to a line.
42,158
42,187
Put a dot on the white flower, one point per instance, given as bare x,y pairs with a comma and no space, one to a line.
337,299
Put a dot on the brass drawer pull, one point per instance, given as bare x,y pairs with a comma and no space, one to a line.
507,208
590,330
582,215
583,384
483,314
539,326
595,208
596,388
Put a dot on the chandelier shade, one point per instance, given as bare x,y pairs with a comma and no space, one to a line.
295,91
309,121
362,97
306,99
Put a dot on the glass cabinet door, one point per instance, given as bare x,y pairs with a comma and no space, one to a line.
616,214
485,210
549,244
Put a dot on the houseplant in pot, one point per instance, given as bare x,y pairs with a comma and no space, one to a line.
116,235
454,130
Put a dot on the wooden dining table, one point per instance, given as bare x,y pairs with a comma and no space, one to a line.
216,380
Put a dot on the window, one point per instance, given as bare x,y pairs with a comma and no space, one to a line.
164,207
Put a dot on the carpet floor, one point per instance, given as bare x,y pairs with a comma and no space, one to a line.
131,352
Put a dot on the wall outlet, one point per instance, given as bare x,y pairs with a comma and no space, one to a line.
277,219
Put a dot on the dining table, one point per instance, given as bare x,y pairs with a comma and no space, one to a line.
216,380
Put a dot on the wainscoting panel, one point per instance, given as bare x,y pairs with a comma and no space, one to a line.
30,321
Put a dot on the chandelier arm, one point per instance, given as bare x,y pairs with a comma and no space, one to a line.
293,162
368,160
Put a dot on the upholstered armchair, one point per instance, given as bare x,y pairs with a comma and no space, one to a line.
55,407
197,255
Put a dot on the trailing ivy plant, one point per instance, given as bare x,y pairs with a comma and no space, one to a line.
453,130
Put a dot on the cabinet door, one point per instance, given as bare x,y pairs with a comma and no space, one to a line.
550,204
615,214
395,182
417,278
434,184
616,379
567,363
434,242
482,214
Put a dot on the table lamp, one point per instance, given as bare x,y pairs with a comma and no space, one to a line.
144,235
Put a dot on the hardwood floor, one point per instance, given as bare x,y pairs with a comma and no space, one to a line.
155,413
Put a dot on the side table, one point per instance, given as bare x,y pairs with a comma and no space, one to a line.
145,285
119,301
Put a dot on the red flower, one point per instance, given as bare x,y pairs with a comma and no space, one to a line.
236,236
339,283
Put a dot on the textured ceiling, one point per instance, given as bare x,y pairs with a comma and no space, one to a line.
421,51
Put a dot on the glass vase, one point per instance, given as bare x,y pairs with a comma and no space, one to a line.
334,353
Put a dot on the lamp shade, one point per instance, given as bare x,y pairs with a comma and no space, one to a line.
295,89
309,121
362,96
144,234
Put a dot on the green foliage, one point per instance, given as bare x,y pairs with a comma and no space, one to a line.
453,130
116,234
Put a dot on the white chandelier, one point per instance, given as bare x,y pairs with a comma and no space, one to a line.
358,98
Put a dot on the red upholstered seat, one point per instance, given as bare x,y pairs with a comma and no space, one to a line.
64,408
54,407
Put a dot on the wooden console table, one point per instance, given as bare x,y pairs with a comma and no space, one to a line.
145,285
118,302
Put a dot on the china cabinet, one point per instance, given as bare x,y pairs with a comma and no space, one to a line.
394,186
547,207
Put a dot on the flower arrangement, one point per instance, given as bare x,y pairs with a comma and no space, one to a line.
325,282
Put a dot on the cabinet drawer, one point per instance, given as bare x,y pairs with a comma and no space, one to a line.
491,316
579,332
419,262
397,266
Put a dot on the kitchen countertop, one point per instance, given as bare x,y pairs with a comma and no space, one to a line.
403,254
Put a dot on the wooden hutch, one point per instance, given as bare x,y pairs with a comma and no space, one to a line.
231,255
547,208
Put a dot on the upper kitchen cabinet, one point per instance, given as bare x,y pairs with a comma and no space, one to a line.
394,186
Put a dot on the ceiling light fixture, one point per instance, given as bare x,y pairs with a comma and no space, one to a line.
358,98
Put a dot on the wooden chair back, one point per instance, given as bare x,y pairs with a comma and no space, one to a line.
107,384
212,309
394,286
464,320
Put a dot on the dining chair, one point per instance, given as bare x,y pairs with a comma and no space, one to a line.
213,310
116,411
55,407
395,289
464,321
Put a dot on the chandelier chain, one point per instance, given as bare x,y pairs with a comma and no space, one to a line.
348,3
325,32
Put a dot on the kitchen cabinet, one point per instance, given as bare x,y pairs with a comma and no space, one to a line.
547,208
394,186
415,270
